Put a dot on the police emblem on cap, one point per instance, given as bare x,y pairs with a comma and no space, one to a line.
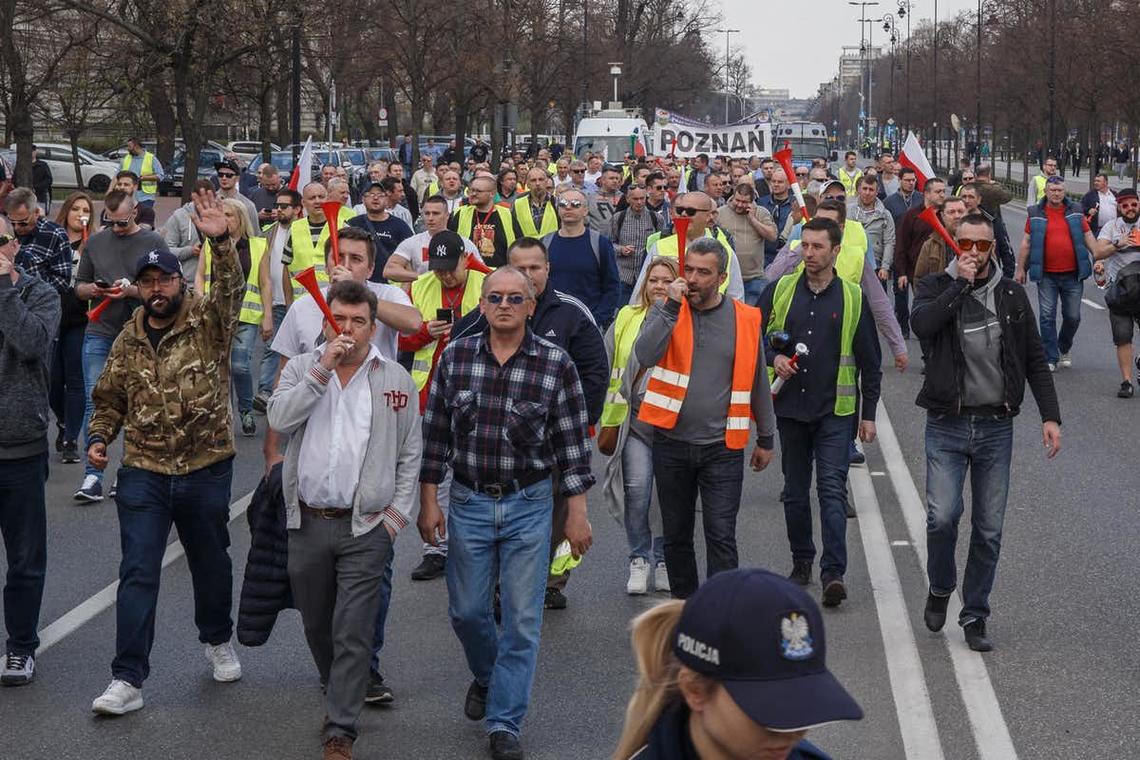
795,637
153,257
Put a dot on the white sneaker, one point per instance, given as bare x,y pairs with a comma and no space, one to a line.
225,662
661,577
19,670
1066,361
119,698
1052,367
638,577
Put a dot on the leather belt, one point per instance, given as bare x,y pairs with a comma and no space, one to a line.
326,513
499,490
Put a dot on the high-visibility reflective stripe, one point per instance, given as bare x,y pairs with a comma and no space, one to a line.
653,398
251,306
741,397
421,366
670,377
846,361
252,289
615,398
616,373
737,423
845,390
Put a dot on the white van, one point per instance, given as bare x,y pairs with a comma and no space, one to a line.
613,134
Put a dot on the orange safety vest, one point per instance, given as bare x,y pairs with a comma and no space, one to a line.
669,379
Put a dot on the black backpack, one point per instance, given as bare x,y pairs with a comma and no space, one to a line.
1123,294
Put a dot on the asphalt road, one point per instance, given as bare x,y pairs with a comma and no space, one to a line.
1061,682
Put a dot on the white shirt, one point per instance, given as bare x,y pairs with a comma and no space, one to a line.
277,237
336,438
402,213
414,250
300,332
1106,210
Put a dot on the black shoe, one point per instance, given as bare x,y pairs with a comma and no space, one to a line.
1126,390
935,613
555,600
59,441
801,572
431,567
851,510
834,591
70,452
505,746
114,489
475,706
378,692
976,638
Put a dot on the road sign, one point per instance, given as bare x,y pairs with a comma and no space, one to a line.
383,114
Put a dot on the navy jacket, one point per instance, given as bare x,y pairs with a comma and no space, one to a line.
1091,199
669,740
898,205
566,322
265,590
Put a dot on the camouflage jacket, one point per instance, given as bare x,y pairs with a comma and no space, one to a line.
173,404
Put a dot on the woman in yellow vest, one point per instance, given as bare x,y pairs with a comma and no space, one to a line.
254,317
628,484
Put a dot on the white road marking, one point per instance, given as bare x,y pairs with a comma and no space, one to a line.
73,619
991,734
900,543
1093,304
908,681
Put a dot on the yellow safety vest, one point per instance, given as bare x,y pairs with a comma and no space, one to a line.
852,253
627,326
667,246
466,223
252,309
850,181
427,296
845,380
525,219
552,168
150,187
307,254
1039,182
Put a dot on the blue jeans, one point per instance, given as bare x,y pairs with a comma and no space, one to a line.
507,541
198,504
682,470
271,360
1069,289
245,338
67,388
23,523
96,348
826,442
753,289
382,613
902,305
985,446
637,476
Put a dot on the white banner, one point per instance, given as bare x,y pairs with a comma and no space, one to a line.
740,140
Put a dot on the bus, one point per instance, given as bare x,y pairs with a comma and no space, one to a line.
807,139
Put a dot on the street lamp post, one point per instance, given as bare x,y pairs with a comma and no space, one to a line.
726,33
1052,73
863,98
904,12
983,5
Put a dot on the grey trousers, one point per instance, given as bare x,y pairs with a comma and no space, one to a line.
336,586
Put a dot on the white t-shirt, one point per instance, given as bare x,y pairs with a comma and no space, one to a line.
1119,229
1106,208
300,332
414,250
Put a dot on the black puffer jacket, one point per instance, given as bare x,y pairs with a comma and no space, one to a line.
265,590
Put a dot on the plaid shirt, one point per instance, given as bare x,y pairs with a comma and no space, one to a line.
46,253
495,424
628,228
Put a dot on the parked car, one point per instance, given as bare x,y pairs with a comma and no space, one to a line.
97,172
283,160
247,150
171,184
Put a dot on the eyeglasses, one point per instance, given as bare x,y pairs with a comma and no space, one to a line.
577,171
569,204
1129,204
657,187
226,175
801,174
981,246
967,178
5,239
151,282
514,299
686,211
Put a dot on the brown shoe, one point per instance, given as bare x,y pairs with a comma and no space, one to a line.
338,748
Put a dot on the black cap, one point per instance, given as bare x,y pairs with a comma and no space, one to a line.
1126,192
374,184
228,163
164,260
762,636
444,251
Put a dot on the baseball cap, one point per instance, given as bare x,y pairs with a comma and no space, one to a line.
823,186
444,251
1126,192
228,163
761,636
164,260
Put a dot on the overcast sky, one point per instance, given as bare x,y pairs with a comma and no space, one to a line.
808,36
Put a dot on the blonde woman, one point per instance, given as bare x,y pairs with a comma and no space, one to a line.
254,317
736,672
628,484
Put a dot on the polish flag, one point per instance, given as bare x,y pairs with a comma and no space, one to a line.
913,157
304,160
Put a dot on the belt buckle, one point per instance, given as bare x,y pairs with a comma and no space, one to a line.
494,490
326,513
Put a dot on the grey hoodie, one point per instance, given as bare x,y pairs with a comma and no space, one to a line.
980,331
29,318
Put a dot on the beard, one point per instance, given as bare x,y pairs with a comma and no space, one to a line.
1130,218
161,307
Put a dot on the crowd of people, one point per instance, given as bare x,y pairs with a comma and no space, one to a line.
448,349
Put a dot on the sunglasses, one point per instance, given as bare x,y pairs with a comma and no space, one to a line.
1129,204
981,246
569,204
27,221
801,174
5,239
514,299
686,211
121,222
226,175
577,171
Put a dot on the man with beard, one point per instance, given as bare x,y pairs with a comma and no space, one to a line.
1117,254
166,384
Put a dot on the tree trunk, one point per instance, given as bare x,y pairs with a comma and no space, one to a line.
19,99
158,103
73,136
393,114
265,120
461,117
281,103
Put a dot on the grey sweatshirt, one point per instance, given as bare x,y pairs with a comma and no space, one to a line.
705,409
29,318
978,323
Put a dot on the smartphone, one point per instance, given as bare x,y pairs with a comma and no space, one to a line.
103,284
444,315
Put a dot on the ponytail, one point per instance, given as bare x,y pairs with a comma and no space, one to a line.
652,639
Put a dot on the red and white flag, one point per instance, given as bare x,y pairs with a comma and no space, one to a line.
304,161
913,157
